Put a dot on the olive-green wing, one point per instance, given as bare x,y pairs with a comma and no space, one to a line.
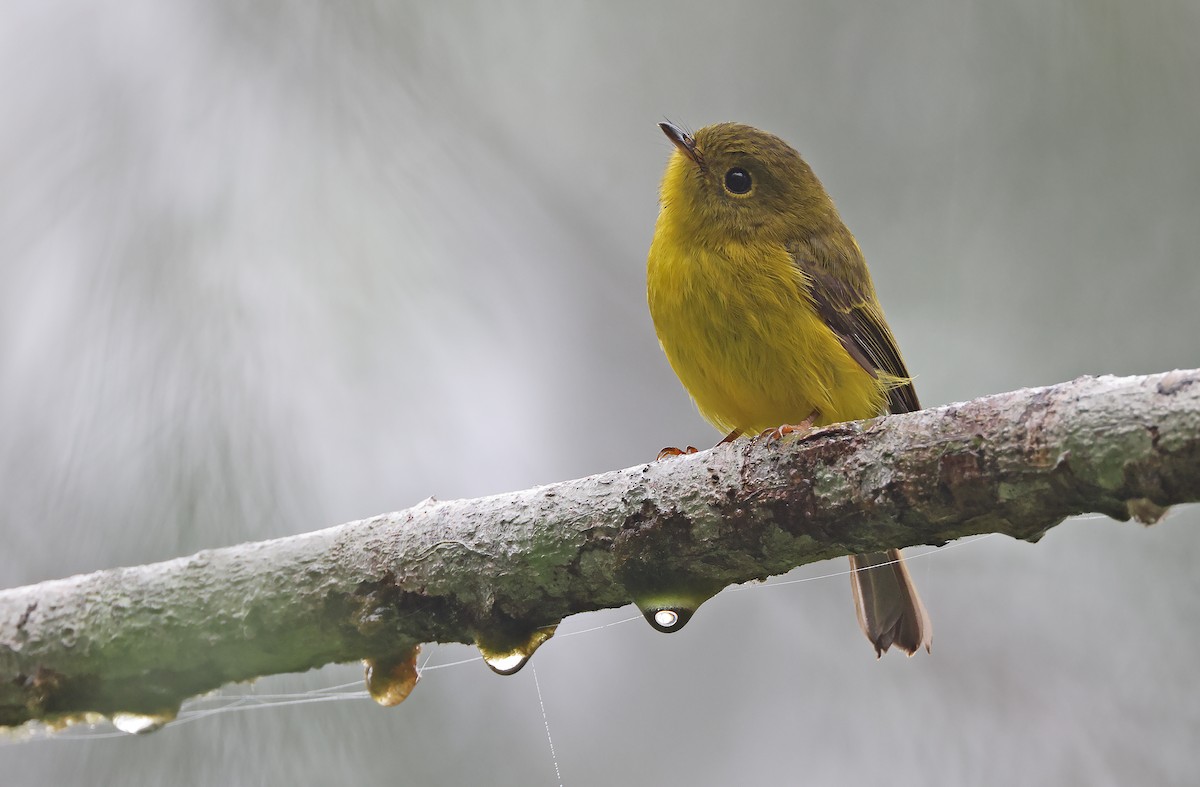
851,311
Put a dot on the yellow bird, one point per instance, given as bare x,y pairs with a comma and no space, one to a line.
765,308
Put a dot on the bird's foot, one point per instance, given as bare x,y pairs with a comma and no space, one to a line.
663,454
804,427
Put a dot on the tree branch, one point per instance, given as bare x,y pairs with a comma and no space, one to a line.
501,570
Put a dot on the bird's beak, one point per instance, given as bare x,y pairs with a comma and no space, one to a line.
683,141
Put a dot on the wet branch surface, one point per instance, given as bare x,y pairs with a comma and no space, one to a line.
495,571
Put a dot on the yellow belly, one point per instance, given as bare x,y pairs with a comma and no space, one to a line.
741,332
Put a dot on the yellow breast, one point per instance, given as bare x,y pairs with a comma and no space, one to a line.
739,328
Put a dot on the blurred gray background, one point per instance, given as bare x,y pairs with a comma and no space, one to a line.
267,267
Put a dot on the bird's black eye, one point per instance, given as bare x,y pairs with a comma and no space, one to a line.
737,181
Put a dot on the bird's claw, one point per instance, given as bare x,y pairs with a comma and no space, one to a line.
804,427
663,454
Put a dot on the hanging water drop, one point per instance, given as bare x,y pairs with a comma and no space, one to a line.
141,723
667,619
390,681
508,661
668,612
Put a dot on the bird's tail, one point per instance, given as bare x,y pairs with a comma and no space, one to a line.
889,609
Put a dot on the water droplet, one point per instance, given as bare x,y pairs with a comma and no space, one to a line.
508,661
141,723
667,619
669,612
390,681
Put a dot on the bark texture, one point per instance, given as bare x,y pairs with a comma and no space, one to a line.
496,570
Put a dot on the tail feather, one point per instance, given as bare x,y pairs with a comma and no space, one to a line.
889,609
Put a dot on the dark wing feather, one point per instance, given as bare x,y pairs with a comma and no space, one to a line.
853,314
